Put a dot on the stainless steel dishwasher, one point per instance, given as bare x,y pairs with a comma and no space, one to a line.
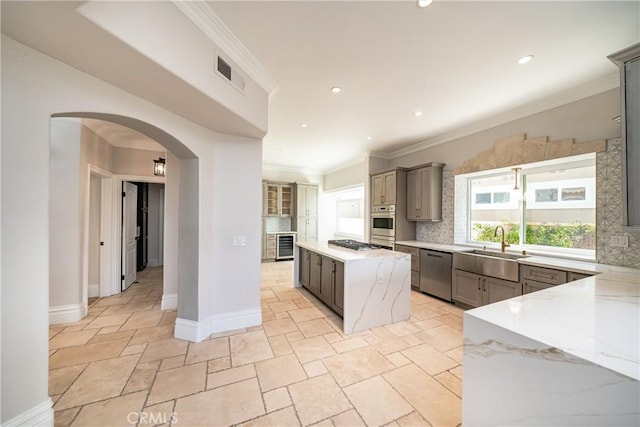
435,273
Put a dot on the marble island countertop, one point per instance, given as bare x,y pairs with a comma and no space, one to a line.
346,255
596,319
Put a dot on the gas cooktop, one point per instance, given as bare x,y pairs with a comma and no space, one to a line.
354,245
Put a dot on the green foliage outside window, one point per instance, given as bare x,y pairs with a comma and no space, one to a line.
578,236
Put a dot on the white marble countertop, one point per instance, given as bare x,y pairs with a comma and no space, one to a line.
596,319
346,255
281,232
434,246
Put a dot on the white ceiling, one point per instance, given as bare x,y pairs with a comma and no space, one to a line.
122,136
456,62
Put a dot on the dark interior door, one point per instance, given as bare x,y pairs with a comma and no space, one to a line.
143,224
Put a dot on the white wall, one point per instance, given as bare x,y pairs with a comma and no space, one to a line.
95,195
34,87
350,176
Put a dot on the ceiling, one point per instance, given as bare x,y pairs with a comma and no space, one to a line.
122,136
455,62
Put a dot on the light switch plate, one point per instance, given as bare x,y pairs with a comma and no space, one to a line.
239,240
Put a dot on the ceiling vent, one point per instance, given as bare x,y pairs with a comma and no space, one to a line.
231,75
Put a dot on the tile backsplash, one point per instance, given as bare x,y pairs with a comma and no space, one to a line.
275,223
609,210
609,214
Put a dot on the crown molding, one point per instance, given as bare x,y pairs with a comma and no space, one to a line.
203,17
594,87
293,169
356,160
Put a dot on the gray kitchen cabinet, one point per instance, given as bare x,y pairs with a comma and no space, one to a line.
306,200
543,274
270,247
338,287
304,267
495,290
315,273
415,264
467,288
383,189
529,285
306,217
629,62
571,276
324,278
424,193
475,290
327,267
307,229
277,199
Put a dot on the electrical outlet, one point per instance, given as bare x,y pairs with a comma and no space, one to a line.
619,241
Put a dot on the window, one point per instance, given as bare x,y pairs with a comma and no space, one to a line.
552,210
349,213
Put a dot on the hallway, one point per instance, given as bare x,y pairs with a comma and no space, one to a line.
121,366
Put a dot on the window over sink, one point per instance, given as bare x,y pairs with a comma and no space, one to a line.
552,208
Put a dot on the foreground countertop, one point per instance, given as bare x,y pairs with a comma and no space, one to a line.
346,255
596,319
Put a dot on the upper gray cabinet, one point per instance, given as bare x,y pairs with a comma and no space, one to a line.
383,189
424,193
629,62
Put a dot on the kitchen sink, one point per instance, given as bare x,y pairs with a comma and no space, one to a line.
489,263
504,255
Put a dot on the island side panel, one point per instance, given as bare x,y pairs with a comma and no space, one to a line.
296,267
377,292
510,379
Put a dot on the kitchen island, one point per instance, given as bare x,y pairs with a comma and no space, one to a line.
367,288
566,355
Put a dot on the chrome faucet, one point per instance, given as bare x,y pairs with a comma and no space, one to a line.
503,244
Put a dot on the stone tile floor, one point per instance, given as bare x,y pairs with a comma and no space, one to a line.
121,365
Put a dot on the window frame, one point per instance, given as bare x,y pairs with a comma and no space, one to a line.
584,160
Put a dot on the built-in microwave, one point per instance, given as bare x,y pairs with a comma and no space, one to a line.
383,219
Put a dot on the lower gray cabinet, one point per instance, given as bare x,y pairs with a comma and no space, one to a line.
415,264
529,286
305,265
475,290
467,288
327,267
324,278
337,303
315,273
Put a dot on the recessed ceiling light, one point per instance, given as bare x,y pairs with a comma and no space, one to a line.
525,59
424,3
304,125
417,113
369,137
336,89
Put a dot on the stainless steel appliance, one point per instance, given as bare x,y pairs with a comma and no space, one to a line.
383,220
354,245
284,245
435,273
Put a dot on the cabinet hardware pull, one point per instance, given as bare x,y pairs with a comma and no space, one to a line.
484,285
547,276
479,279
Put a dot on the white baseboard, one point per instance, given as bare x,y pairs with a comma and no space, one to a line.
66,313
191,330
169,302
154,263
40,415
93,291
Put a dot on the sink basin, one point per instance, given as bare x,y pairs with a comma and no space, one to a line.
504,255
489,263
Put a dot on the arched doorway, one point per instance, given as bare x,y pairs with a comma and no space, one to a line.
76,157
